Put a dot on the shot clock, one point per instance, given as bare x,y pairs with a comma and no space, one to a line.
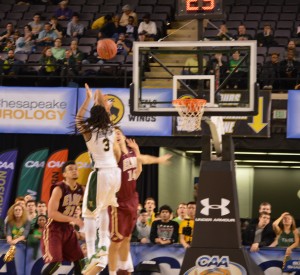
188,9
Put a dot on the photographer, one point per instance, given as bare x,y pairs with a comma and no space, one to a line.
186,227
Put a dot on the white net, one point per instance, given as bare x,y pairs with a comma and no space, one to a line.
190,112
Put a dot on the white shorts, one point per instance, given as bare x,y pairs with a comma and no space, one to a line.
100,192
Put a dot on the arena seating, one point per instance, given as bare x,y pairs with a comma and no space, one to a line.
283,15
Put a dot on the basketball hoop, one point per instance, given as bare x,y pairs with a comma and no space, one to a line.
191,112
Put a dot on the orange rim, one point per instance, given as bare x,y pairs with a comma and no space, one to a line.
192,104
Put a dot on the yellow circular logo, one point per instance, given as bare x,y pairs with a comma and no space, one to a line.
117,108
186,97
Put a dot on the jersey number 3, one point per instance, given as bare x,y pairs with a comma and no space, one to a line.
106,144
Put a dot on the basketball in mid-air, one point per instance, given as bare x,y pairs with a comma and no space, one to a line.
106,48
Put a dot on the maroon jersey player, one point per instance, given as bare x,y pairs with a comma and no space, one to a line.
59,242
123,217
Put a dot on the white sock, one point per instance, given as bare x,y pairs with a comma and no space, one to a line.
103,225
90,235
123,265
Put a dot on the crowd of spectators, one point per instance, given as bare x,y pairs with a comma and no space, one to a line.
58,32
26,220
124,27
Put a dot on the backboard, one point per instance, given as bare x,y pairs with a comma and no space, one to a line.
194,70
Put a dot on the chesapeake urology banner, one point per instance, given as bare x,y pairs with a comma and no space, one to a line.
135,125
37,110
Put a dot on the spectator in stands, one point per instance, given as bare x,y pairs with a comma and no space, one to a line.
127,11
8,46
10,65
191,67
7,35
270,73
181,213
31,212
69,67
36,233
287,234
47,36
260,234
76,54
92,58
18,226
218,67
109,29
263,207
63,12
238,76
131,30
25,43
21,200
74,28
143,228
41,208
298,31
27,198
266,38
164,231
124,45
288,71
58,52
147,29
291,46
49,66
242,33
98,23
56,27
223,33
116,20
150,205
186,228
36,25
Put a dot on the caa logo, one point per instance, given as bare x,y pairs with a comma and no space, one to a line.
34,164
207,207
84,165
7,165
55,164
216,265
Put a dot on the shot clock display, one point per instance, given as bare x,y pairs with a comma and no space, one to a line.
187,9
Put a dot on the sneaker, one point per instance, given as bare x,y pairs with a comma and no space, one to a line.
94,270
94,261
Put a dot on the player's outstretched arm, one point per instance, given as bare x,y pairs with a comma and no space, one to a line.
134,146
148,159
83,108
101,99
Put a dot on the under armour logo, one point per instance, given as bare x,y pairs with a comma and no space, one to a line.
222,207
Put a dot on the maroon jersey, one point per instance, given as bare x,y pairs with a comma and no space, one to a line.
128,165
59,242
70,198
